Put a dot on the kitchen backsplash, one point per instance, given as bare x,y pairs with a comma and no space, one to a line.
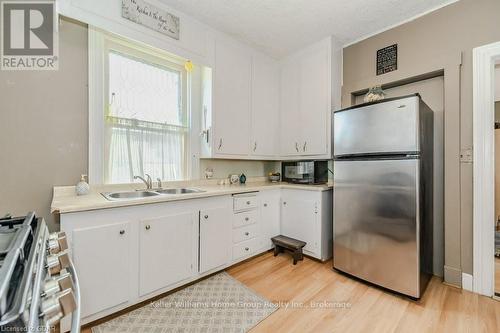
223,168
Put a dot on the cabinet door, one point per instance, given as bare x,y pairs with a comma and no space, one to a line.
265,107
167,251
289,106
101,256
299,220
215,238
232,99
314,101
270,216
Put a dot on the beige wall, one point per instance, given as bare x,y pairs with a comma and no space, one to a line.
43,128
440,41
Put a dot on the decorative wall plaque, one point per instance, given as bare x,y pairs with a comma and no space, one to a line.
387,59
150,16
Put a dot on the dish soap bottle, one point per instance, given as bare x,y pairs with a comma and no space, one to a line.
82,188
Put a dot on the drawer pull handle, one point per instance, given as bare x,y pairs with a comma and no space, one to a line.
122,232
246,219
246,249
148,227
247,233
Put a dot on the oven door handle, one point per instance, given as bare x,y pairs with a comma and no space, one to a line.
75,316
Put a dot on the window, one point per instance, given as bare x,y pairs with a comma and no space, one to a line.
146,123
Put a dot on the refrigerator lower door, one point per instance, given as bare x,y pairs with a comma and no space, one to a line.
376,222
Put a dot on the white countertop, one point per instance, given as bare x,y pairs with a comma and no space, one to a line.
65,200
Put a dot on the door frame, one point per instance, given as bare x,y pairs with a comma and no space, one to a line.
484,59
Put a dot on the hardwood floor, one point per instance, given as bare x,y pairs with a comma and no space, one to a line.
353,306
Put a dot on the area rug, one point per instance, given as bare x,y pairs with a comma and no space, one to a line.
217,304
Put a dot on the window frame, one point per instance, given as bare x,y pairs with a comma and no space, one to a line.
100,44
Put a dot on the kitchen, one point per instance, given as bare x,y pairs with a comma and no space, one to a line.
245,112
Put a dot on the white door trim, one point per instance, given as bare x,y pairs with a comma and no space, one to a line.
484,59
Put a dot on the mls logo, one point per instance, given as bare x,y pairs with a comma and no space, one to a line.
28,35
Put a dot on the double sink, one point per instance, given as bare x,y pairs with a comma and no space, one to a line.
130,195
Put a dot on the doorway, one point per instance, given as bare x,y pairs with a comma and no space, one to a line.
485,59
496,224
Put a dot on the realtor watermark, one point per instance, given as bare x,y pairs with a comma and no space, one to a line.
29,39
250,305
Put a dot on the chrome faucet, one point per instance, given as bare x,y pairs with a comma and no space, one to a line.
147,181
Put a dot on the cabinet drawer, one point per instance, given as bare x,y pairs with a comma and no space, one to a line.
245,202
245,218
245,233
245,248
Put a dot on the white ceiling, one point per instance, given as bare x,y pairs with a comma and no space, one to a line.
279,27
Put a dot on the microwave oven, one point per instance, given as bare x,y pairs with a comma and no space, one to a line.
305,172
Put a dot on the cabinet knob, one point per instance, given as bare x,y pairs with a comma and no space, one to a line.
148,227
248,202
246,218
265,205
122,232
206,217
247,233
284,202
246,249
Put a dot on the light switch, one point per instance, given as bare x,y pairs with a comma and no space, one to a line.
466,155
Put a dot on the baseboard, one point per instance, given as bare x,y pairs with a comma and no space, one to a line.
467,281
453,276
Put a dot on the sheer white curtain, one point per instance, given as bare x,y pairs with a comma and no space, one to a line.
146,126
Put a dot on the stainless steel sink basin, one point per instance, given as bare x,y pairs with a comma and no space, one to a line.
129,195
179,190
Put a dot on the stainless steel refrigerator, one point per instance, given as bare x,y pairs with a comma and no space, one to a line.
382,200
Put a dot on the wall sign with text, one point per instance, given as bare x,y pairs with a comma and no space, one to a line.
150,16
387,59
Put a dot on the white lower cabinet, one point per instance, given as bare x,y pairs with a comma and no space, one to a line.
299,215
101,254
247,235
270,216
128,254
166,250
215,238
307,216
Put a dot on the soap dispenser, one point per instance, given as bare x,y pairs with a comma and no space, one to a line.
82,188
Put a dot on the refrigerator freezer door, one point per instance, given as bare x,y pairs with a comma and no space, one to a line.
375,209
386,127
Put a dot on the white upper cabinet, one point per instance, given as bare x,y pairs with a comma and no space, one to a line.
231,105
265,107
289,107
314,101
306,102
245,105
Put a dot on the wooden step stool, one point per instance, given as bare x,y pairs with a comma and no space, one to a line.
282,243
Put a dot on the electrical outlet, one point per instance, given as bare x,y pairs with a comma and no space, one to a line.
466,155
